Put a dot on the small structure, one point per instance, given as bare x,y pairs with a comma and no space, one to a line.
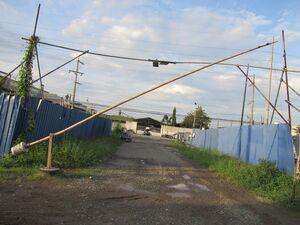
153,124
126,122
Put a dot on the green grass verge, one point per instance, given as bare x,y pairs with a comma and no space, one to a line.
263,179
67,153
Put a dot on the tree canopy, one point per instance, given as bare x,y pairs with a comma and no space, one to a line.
202,120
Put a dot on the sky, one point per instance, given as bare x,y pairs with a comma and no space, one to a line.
166,30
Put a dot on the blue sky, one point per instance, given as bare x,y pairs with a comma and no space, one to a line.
170,30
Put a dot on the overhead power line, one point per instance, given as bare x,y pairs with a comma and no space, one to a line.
157,62
158,113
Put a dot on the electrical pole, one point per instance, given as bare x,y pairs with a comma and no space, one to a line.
76,82
194,122
252,103
286,81
244,98
269,86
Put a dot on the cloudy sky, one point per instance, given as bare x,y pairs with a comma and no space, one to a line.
200,30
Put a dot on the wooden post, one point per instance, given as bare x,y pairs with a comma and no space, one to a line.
296,167
50,145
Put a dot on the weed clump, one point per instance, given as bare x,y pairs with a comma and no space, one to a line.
264,179
67,153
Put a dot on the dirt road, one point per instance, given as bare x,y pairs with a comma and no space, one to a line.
146,183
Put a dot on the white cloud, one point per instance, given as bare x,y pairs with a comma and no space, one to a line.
140,29
225,77
179,89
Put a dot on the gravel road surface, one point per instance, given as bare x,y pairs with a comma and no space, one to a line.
147,182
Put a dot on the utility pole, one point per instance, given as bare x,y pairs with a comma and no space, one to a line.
76,72
252,103
194,122
269,85
286,81
244,98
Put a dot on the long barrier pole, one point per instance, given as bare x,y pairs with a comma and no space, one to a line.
134,97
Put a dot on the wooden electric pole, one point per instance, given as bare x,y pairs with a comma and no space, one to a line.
76,72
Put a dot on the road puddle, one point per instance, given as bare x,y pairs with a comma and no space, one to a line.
179,195
180,187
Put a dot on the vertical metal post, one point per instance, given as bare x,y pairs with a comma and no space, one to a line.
244,98
252,103
49,157
286,80
296,167
277,95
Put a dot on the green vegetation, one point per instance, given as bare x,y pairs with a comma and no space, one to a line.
197,119
67,153
170,120
263,179
25,72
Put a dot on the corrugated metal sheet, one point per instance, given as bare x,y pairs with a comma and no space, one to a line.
49,118
251,143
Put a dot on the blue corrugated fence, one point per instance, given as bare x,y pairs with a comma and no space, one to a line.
251,143
49,118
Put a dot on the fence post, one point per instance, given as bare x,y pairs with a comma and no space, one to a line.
49,169
49,157
296,147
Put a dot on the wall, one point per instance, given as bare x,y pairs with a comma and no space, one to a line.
251,143
129,125
170,130
49,118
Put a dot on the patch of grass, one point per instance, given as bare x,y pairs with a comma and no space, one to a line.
67,153
263,179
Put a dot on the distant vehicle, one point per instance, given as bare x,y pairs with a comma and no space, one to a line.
147,131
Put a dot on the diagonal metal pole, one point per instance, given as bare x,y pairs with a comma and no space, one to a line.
259,91
277,95
7,75
293,90
296,108
57,68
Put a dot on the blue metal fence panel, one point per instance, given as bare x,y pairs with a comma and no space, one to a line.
49,118
251,143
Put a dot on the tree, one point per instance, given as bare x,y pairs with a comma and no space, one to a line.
202,120
166,120
174,117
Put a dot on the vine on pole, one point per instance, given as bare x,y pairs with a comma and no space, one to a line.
25,72
24,85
